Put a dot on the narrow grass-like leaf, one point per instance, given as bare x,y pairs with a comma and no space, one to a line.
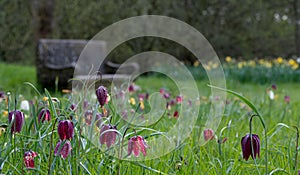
148,168
85,168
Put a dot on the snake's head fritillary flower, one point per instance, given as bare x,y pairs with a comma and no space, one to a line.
137,144
73,107
176,114
29,159
65,129
85,104
172,102
271,95
98,119
63,150
274,87
166,95
89,117
131,88
25,105
246,146
179,99
141,97
17,119
162,91
2,94
44,115
287,99
168,106
208,134
101,94
108,135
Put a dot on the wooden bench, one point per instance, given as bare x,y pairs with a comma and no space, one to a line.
57,59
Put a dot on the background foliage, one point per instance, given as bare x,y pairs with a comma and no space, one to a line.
245,29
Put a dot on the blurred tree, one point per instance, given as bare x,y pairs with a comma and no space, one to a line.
248,29
296,5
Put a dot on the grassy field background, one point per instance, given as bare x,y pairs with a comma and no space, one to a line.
188,158
13,77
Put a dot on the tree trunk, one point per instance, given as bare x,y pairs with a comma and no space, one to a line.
297,25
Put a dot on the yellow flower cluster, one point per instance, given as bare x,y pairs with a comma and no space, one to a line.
268,63
210,65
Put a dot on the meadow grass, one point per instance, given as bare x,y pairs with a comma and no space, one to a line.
190,157
13,77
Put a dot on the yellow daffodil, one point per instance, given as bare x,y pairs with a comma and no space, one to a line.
279,60
132,101
292,62
261,61
207,67
240,65
295,66
4,113
196,63
268,64
215,65
228,59
251,63
142,106
45,98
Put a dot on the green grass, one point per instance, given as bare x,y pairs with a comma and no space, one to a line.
13,76
190,157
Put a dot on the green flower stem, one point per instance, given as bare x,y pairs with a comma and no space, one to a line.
50,150
252,106
297,145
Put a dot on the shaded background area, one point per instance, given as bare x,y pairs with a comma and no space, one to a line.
244,30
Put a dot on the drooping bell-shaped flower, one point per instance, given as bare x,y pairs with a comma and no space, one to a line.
179,99
25,105
274,87
88,115
17,119
63,150
166,95
101,94
86,104
44,115
2,94
29,159
137,144
287,99
108,137
73,107
131,88
65,129
89,118
176,114
271,94
208,134
246,146
98,119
